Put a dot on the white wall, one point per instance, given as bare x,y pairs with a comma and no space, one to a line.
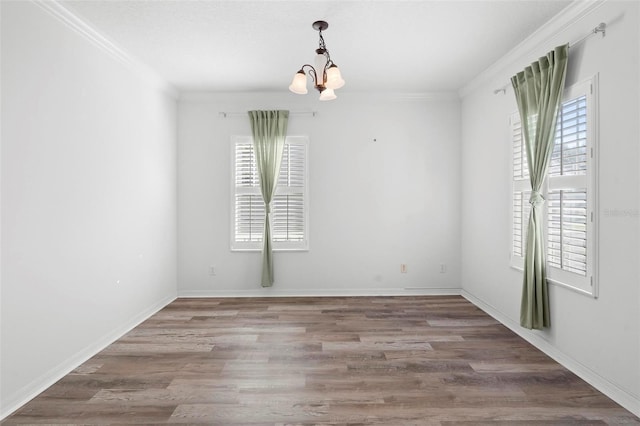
373,205
88,200
597,338
88,167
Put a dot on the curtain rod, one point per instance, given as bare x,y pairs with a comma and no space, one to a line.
224,114
601,28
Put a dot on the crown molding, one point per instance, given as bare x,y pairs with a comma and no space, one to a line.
566,18
429,96
77,24
212,95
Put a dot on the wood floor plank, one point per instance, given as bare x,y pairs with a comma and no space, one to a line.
346,360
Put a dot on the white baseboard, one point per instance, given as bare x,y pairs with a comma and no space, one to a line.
37,386
624,398
330,292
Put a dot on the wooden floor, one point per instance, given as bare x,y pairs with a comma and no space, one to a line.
358,360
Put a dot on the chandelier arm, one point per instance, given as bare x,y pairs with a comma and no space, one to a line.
312,72
329,62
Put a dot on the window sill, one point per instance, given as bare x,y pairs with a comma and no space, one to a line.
276,250
561,284
572,288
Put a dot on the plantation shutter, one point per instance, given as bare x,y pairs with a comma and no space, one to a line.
288,206
288,203
249,206
521,210
567,209
521,192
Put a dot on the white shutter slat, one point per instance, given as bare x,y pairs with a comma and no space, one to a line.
288,206
517,224
246,169
292,169
567,230
289,218
520,168
521,210
567,213
570,151
249,207
249,218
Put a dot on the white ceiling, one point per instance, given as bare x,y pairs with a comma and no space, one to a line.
399,46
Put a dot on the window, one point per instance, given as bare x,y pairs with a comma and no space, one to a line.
570,193
289,206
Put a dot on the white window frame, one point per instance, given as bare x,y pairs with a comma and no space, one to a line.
302,141
588,284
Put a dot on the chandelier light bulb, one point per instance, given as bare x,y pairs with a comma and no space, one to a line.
334,79
327,95
299,83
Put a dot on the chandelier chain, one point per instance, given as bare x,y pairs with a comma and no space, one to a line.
321,44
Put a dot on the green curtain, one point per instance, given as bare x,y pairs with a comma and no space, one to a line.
538,91
269,130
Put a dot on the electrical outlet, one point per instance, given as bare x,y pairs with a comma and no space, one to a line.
443,268
212,270
403,268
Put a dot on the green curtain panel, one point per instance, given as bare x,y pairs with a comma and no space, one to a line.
269,130
538,91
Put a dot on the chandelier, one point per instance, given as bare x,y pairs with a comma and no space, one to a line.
325,75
